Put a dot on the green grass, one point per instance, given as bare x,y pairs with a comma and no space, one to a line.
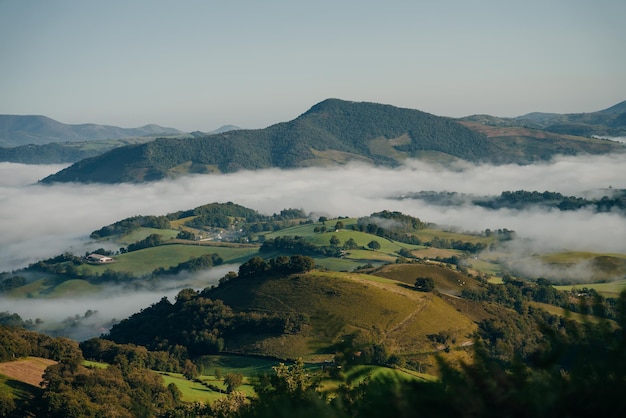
446,280
197,392
21,393
147,260
555,310
95,364
246,365
612,289
340,304
55,287
141,233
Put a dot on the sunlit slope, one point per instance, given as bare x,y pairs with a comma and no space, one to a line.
339,306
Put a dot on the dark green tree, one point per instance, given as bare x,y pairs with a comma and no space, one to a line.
232,381
350,244
374,245
425,284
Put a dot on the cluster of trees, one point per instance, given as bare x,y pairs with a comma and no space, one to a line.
521,199
576,377
394,225
212,215
12,282
72,390
128,356
282,265
515,293
194,325
150,241
195,264
470,247
585,376
297,245
128,225
225,215
16,342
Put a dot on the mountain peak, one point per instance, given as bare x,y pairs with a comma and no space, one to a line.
615,109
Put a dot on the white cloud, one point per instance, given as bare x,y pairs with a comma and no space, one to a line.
44,220
40,221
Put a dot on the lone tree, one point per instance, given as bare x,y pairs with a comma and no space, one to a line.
350,244
334,241
374,245
425,284
190,370
232,381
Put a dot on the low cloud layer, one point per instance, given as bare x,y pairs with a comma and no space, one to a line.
67,316
40,221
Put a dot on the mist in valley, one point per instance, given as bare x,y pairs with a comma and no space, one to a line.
40,221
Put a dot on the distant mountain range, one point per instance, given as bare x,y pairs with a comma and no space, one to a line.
41,140
16,130
608,122
336,131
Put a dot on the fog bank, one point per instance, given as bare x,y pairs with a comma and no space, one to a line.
41,221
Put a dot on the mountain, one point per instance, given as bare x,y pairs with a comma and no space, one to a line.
331,132
607,122
16,130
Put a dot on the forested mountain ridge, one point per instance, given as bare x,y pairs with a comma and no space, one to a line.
333,131
16,130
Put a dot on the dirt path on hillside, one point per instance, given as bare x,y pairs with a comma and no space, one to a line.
29,370
398,288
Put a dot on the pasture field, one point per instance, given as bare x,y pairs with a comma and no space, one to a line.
484,266
610,290
446,280
197,392
339,305
362,239
55,287
342,264
147,260
27,370
556,310
246,365
19,392
142,233
251,367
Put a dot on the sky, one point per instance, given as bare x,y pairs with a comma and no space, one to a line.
201,64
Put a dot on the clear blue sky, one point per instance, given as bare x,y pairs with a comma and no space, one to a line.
199,64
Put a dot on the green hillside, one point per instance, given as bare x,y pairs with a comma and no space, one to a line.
331,132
